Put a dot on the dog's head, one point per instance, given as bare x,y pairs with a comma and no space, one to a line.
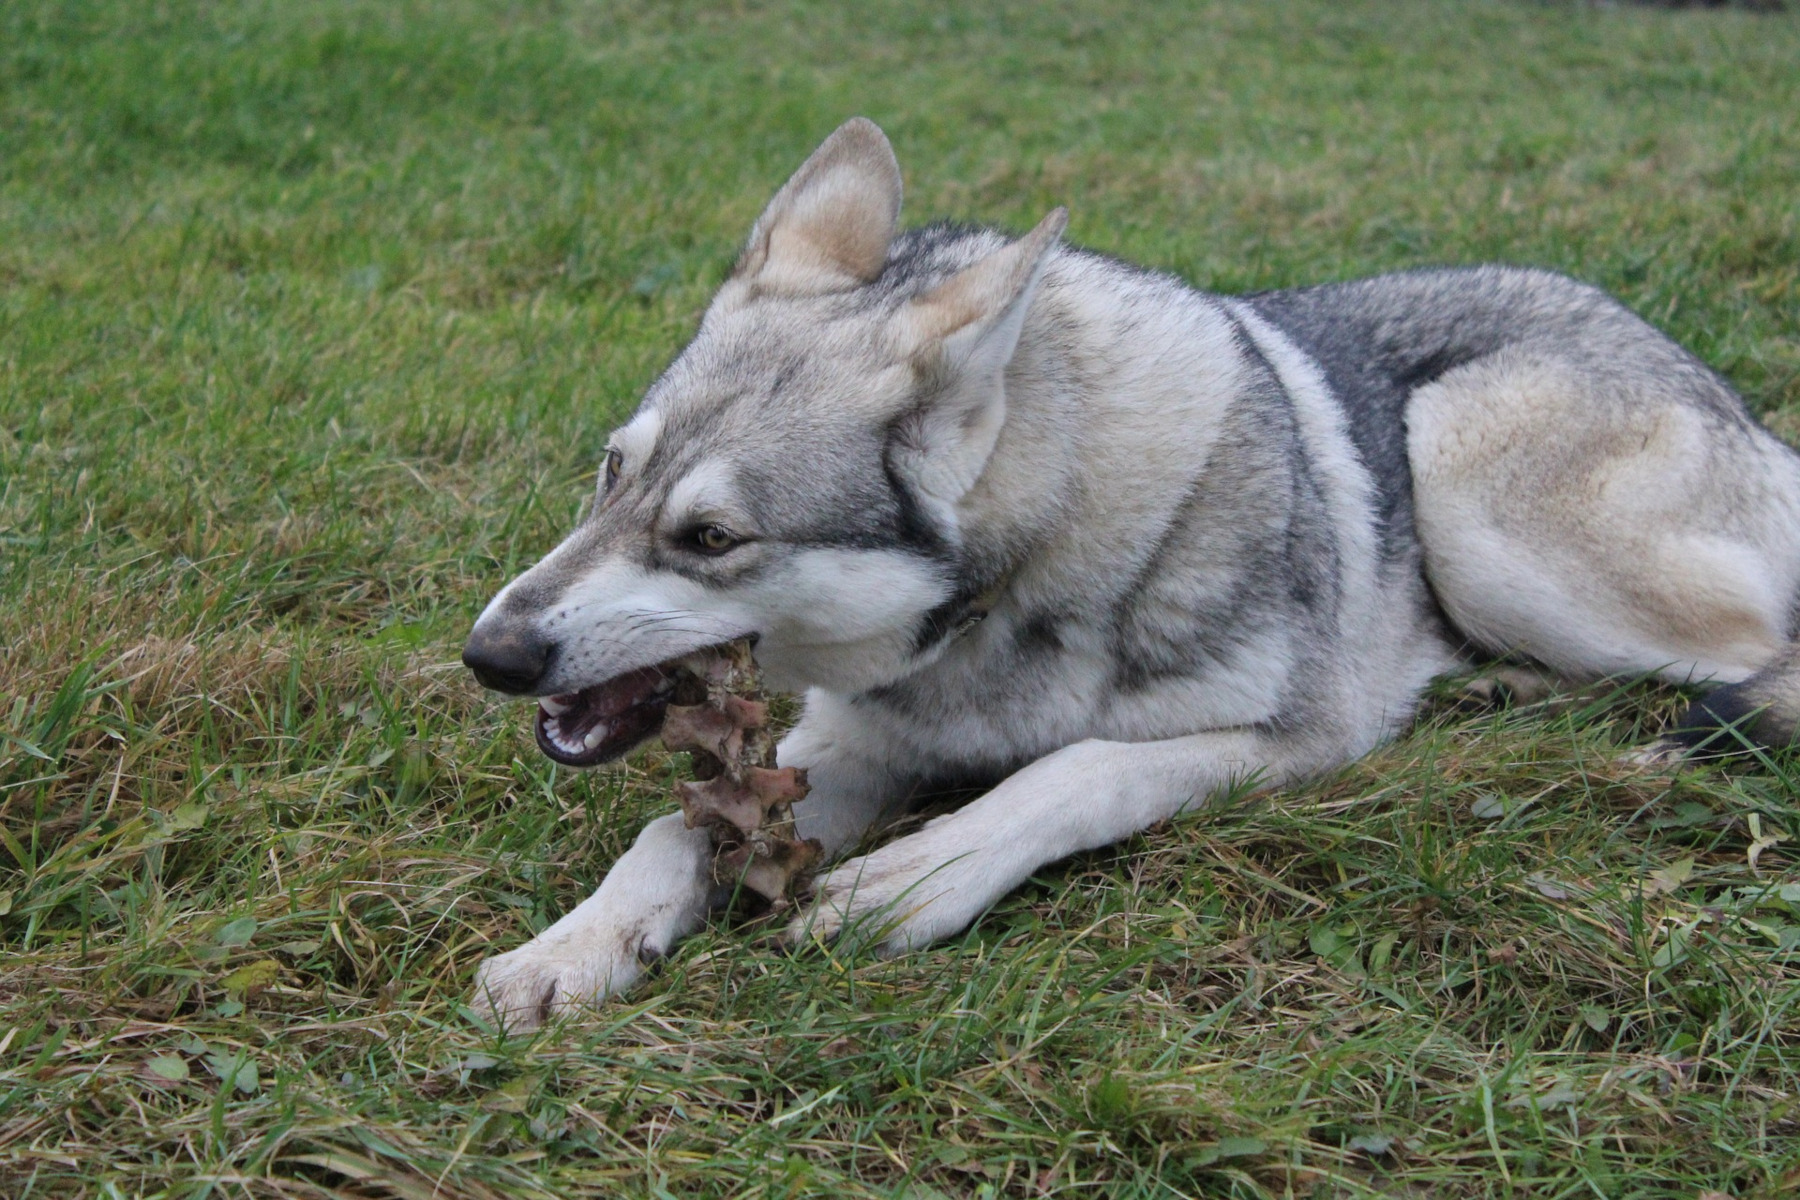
795,475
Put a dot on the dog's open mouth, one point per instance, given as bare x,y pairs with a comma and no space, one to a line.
582,729
588,727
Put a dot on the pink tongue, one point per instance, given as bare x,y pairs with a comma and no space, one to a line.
606,700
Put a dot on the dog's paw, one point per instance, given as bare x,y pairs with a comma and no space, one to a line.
1659,757
654,896
897,899
1504,686
528,987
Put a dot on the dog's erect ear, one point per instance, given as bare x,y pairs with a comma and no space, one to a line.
963,332
972,319
828,228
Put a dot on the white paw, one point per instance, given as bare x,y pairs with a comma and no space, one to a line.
654,896
542,980
1662,755
901,897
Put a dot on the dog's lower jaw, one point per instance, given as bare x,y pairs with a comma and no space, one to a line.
657,893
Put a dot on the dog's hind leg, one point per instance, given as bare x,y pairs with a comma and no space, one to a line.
1505,684
1763,710
930,884
1606,523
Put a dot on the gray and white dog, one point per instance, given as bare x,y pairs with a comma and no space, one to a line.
1014,514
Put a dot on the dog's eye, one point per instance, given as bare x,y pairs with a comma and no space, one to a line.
613,461
713,539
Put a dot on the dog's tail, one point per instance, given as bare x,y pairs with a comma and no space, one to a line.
1761,711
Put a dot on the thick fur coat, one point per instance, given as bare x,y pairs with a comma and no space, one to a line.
1020,516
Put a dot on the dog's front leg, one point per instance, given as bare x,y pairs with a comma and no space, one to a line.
661,889
657,893
933,883
851,771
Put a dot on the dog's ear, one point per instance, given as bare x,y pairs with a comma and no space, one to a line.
829,227
971,321
961,335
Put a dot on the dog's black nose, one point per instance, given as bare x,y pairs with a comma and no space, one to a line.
507,660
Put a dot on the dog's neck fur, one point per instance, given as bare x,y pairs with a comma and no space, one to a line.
1085,377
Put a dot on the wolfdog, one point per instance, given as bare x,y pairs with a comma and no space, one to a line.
1016,515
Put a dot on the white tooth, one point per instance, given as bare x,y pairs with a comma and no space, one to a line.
553,706
595,736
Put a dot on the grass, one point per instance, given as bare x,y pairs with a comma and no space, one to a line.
313,319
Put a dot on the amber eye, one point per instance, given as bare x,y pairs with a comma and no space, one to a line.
613,460
714,539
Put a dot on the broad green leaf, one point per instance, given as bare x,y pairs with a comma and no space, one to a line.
513,1096
237,933
252,977
1382,951
171,1067
191,815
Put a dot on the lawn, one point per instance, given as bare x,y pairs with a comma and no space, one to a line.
314,317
